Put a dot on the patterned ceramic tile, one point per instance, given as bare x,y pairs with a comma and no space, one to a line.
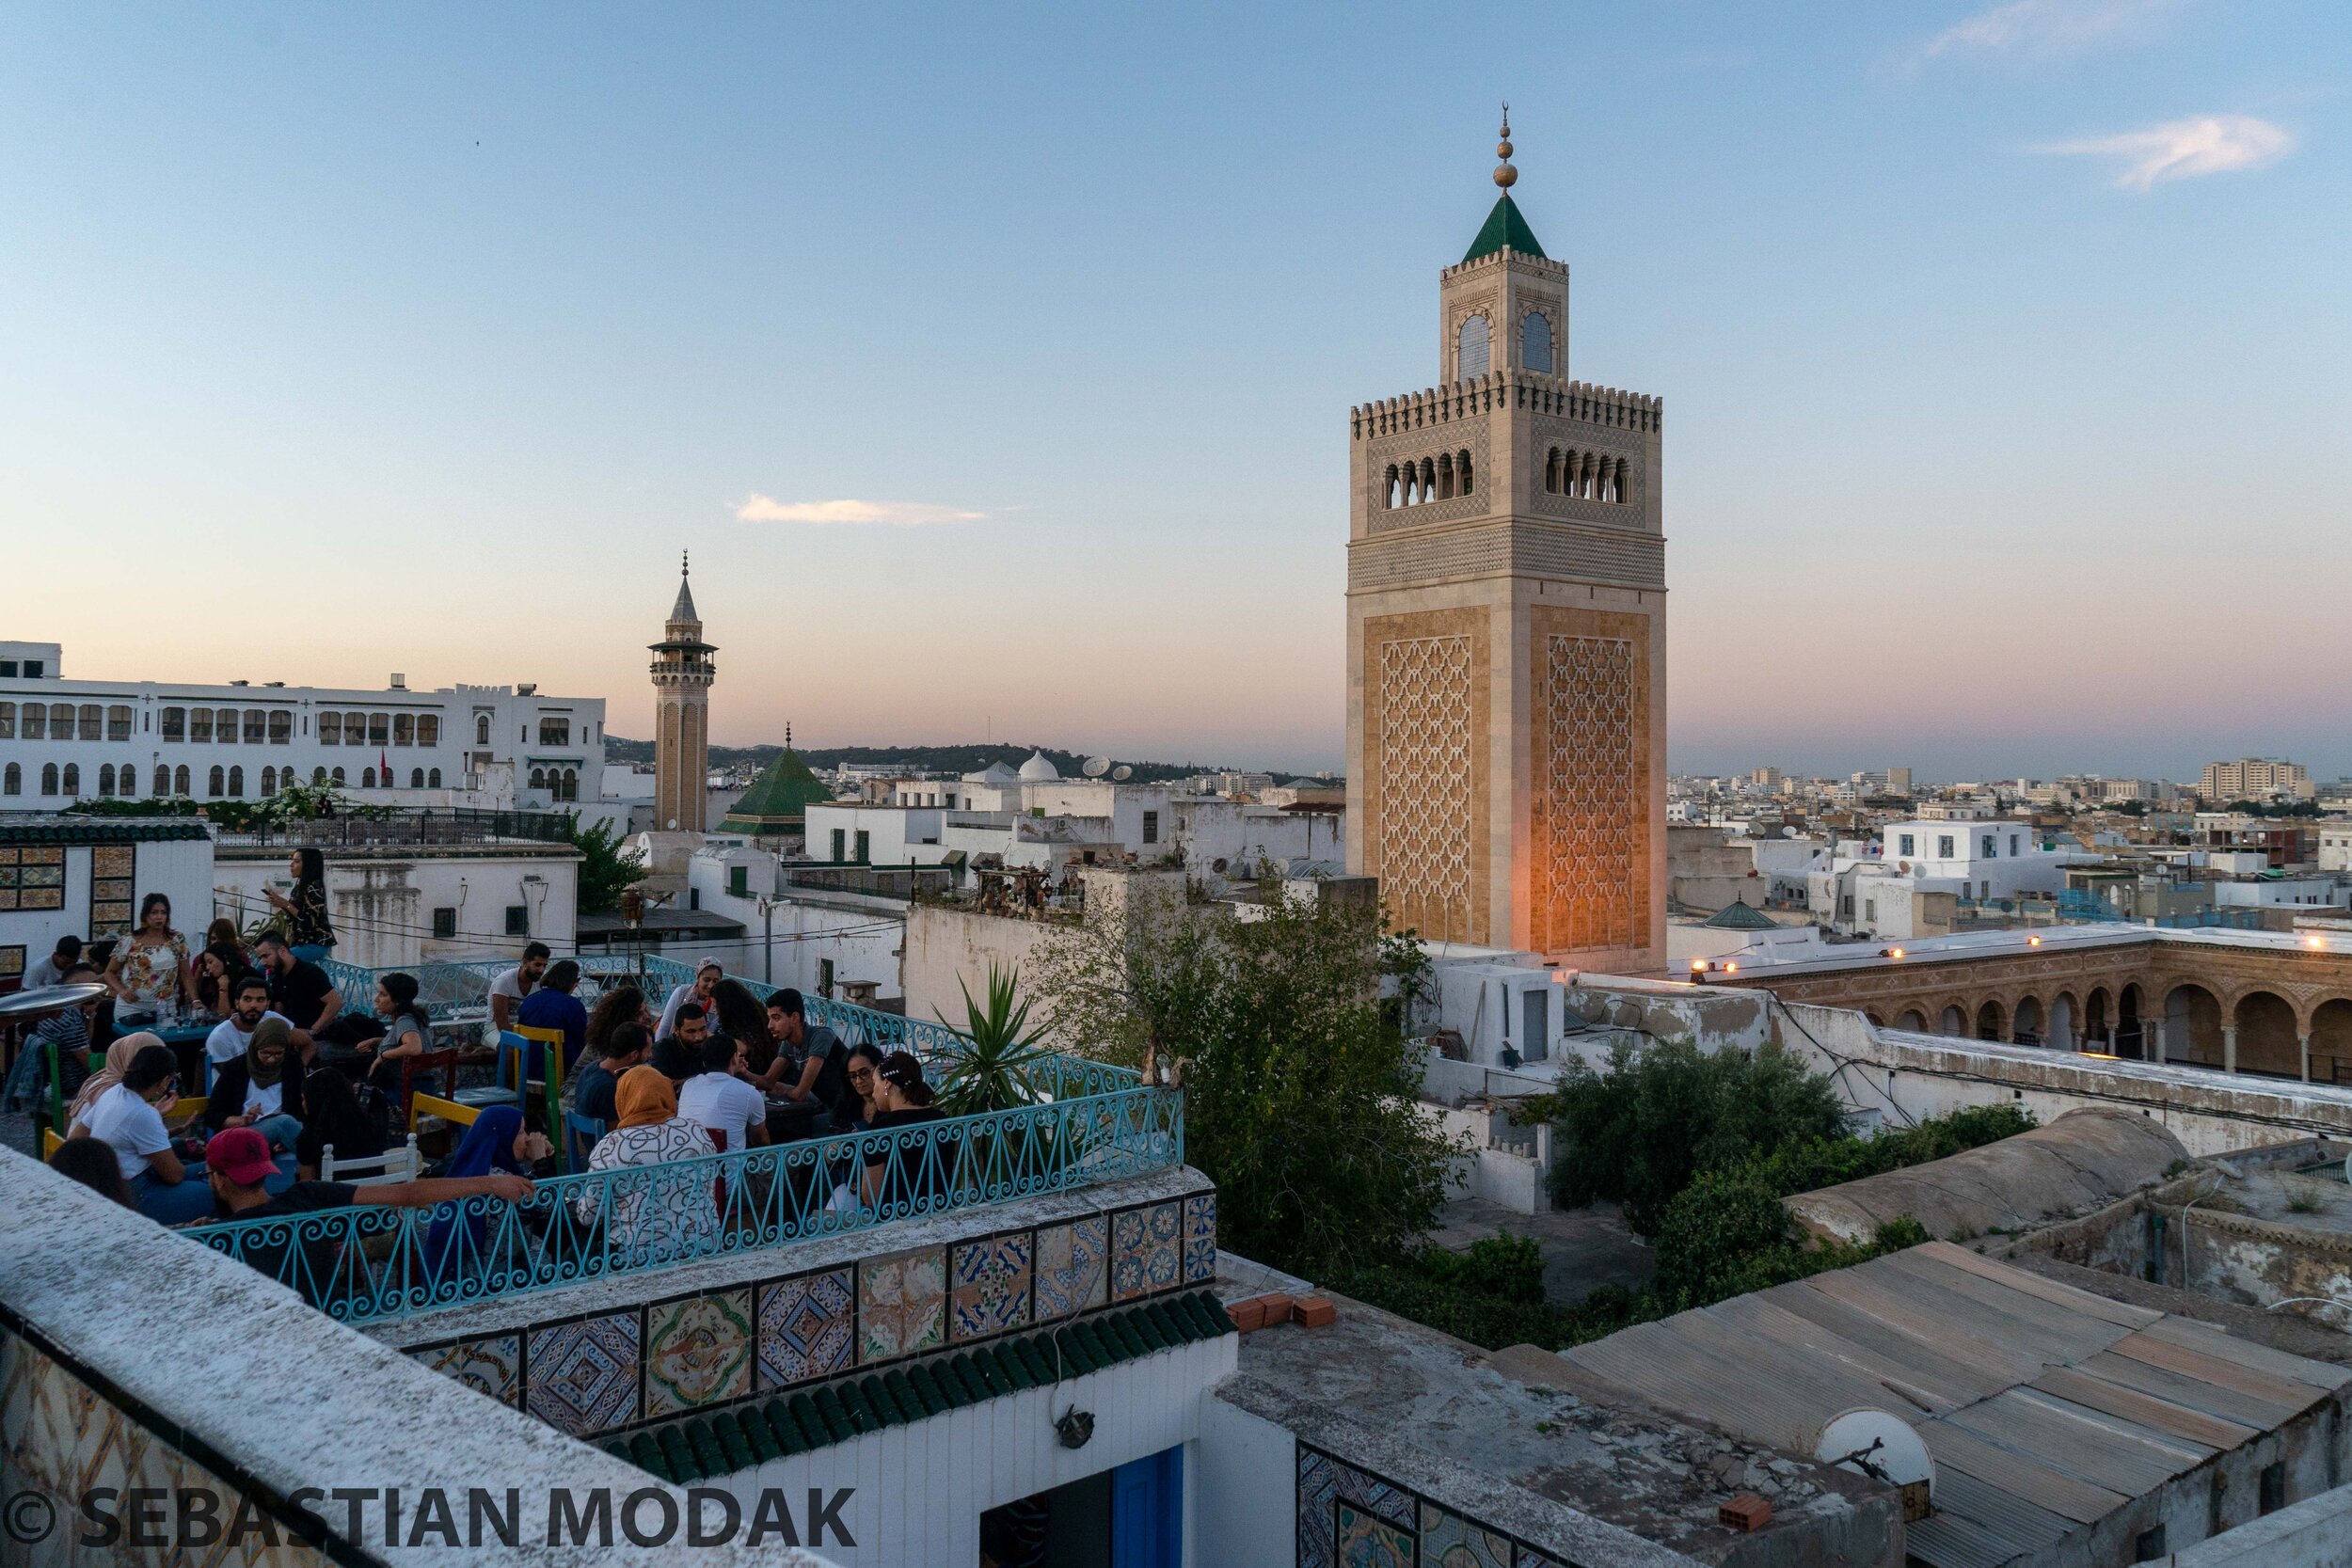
902,1303
1071,1268
492,1366
806,1327
1316,1488
1368,1541
1144,1250
1199,1238
1530,1557
1450,1541
698,1352
583,1374
989,1287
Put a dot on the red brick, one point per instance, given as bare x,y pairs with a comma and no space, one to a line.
1277,1309
1746,1511
1315,1312
1249,1316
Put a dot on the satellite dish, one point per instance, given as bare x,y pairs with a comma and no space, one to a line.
1123,774
1884,1447
1096,766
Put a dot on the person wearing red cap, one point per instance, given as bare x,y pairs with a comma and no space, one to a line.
237,1162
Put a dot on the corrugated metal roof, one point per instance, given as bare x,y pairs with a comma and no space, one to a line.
2046,1408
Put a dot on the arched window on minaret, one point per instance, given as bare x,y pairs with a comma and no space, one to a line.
1462,472
1535,342
1471,353
1390,494
1445,475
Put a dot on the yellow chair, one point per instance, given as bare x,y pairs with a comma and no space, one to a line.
552,1042
423,1105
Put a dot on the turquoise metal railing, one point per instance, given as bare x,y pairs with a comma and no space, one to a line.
451,991
378,1262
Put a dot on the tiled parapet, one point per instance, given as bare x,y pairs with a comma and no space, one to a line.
614,1355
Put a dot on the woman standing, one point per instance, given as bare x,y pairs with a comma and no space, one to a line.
153,966
308,930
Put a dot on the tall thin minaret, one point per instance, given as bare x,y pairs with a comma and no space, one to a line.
1506,616
682,673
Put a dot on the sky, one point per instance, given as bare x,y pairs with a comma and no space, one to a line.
993,362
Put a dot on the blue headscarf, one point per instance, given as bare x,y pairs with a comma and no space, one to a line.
489,1145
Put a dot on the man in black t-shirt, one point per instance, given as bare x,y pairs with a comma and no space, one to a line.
237,1162
300,991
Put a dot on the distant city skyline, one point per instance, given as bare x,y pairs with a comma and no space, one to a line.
997,373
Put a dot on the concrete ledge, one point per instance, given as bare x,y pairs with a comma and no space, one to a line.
2313,1533
272,1396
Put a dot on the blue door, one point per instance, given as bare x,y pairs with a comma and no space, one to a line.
1148,1512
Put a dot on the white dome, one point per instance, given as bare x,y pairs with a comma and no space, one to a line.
1037,770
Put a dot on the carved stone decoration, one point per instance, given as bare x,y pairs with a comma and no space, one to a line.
1590,806
1427,777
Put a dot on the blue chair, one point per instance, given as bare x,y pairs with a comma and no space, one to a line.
580,1136
508,1088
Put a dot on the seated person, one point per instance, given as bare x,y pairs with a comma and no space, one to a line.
92,1164
333,1118
651,1212
248,1005
512,986
730,1108
119,1056
68,1031
698,990
407,1032
261,1089
908,1179
237,1165
552,1006
809,1062
679,1055
129,1118
626,1047
300,991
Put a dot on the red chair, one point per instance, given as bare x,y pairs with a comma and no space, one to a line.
423,1065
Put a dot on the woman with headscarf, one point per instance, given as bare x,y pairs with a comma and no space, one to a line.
119,1056
661,1212
334,1119
262,1089
497,1141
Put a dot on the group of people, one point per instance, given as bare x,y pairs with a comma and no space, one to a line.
292,1075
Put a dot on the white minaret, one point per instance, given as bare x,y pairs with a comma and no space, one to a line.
682,673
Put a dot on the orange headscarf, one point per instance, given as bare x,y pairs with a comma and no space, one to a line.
644,1098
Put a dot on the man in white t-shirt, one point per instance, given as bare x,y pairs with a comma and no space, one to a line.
129,1120
232,1034
728,1107
508,990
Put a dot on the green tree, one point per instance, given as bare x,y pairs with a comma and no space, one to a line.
1640,1128
1300,1088
606,869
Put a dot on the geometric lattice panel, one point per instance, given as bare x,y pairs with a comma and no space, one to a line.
1428,751
1593,748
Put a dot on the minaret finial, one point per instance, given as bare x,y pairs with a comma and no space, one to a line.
685,567
1505,175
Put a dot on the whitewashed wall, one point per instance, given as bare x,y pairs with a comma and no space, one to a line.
382,905
1241,1492
921,1489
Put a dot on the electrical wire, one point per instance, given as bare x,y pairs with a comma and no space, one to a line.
379,926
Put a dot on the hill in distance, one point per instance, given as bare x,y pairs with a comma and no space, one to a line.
914,759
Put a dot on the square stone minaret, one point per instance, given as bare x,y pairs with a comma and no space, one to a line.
682,672
1506,631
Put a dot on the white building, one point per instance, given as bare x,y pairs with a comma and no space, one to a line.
85,877
1988,857
501,746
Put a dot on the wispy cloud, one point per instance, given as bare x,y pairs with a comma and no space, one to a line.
2045,29
764,509
2184,149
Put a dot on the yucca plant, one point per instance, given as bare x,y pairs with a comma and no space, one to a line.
992,1066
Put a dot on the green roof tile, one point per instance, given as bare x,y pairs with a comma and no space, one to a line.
779,797
1504,228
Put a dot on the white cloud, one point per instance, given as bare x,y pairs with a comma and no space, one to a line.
2044,28
764,508
2184,149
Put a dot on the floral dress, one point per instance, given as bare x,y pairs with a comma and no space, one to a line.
307,924
150,971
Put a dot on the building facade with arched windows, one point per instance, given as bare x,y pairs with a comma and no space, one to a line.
1506,631
501,746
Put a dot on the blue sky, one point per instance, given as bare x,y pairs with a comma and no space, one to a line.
2003,349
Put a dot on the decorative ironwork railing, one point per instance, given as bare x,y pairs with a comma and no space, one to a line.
376,1261
453,992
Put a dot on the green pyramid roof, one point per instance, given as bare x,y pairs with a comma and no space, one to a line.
1740,917
781,795
1504,227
